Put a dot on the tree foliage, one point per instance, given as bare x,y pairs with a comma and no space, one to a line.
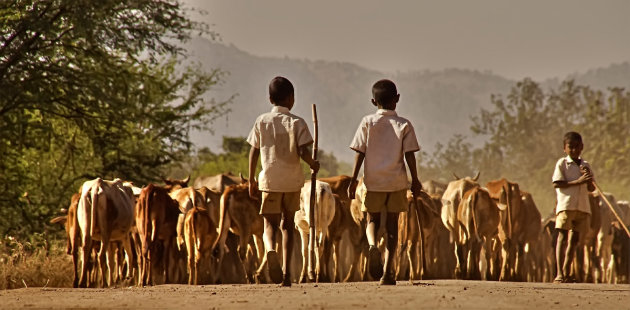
92,88
524,133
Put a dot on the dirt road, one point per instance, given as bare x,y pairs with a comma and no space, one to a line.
447,294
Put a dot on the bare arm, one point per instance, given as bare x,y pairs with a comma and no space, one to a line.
416,186
358,161
308,159
254,153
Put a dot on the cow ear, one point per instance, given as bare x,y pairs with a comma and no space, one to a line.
59,220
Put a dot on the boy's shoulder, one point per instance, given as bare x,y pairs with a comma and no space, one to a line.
385,114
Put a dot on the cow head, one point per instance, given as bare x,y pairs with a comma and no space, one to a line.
172,184
475,178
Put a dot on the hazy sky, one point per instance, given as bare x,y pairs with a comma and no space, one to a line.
516,39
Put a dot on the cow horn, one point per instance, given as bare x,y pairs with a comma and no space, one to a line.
186,179
240,174
477,176
455,176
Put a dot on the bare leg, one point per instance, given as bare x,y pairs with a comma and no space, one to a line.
391,227
288,227
561,249
373,224
271,222
572,245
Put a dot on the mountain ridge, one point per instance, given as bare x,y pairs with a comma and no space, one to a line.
438,103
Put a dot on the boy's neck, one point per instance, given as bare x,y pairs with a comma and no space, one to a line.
576,160
281,106
380,107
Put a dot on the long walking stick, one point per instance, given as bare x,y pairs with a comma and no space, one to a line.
601,193
311,215
422,260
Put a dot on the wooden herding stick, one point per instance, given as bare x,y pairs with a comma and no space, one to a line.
601,193
311,215
422,255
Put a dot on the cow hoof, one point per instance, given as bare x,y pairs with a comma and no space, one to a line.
303,279
259,278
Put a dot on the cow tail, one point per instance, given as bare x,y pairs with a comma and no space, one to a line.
145,204
223,205
473,204
197,239
95,194
508,195
195,215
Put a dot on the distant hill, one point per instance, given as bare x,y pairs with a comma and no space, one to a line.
438,103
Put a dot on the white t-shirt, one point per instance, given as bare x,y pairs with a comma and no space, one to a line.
572,197
384,138
279,134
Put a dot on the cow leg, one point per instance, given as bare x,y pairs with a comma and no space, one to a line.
401,260
260,252
414,260
355,255
86,250
128,256
191,263
336,266
324,272
305,252
102,262
505,255
459,252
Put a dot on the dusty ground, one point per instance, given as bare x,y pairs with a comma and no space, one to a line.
423,294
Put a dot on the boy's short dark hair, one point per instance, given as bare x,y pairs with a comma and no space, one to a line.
280,88
571,136
384,91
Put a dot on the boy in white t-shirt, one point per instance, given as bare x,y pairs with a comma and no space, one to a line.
382,140
573,180
282,138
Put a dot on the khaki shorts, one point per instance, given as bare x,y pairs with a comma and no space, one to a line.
375,202
277,202
573,220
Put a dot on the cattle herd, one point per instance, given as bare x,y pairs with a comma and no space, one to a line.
211,233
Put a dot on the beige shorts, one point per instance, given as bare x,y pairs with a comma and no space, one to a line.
573,220
277,202
375,202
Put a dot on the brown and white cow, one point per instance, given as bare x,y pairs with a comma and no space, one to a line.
200,235
104,213
69,221
514,226
451,200
343,222
324,213
156,221
529,260
240,214
409,237
478,216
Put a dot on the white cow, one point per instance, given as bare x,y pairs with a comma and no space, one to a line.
324,214
105,213
451,200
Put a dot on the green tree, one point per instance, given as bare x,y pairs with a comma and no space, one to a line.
524,133
92,88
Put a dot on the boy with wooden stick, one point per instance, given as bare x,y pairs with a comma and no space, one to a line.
573,180
382,140
282,138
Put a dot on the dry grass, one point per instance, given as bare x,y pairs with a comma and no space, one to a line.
38,262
